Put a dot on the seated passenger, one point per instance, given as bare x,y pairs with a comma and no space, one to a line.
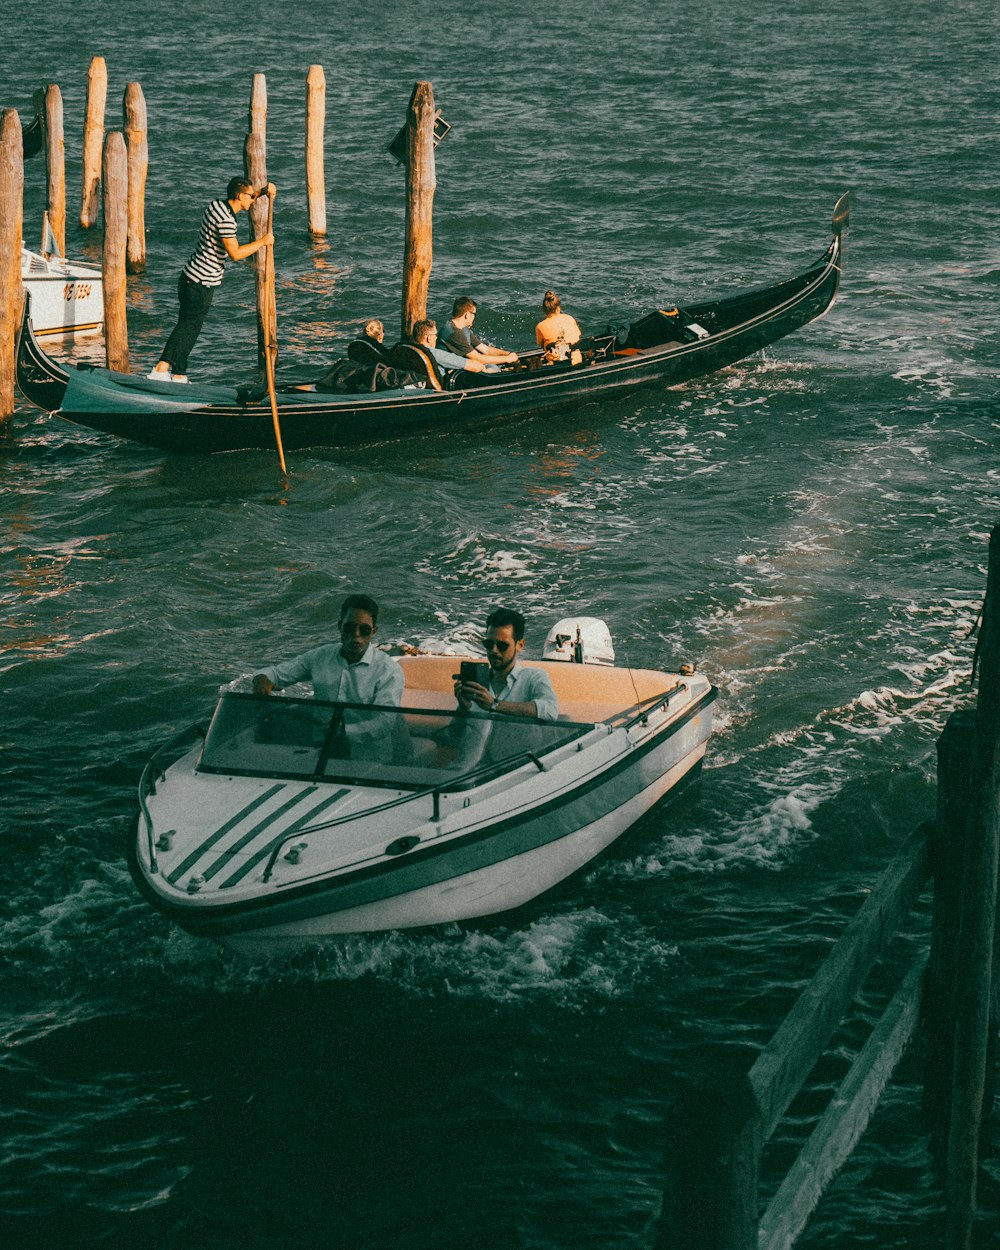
351,671
558,332
425,335
374,331
459,337
513,690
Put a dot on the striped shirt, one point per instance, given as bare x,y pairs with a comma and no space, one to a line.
207,264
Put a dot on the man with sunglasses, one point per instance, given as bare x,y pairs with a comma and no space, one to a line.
513,690
351,671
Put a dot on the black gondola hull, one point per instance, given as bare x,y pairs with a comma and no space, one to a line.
215,419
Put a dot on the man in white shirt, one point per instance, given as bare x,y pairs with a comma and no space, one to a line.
513,690
351,671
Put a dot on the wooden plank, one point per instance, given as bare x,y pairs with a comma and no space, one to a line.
789,1057
846,1118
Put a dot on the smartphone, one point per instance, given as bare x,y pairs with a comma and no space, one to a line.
470,670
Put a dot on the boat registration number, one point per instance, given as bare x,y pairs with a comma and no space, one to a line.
77,290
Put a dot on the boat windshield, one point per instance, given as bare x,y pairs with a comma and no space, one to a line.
380,746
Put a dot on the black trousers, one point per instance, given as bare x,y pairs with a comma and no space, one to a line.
195,301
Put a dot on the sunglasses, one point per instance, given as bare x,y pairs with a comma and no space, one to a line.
365,631
494,644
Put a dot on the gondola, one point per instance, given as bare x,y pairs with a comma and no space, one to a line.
661,348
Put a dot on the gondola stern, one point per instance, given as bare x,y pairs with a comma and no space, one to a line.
40,379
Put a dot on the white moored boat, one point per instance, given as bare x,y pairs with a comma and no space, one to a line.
294,818
67,296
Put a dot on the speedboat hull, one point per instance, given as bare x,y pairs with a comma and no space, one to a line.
67,297
274,861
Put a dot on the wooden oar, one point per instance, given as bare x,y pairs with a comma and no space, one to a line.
271,335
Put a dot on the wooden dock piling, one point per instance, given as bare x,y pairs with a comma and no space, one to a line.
255,168
93,141
257,115
948,852
137,151
421,184
712,1153
315,122
115,197
11,225
49,103
973,969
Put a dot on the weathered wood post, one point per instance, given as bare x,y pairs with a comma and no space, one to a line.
255,169
49,103
114,177
973,970
257,115
420,186
11,223
315,121
714,1138
948,853
93,140
137,149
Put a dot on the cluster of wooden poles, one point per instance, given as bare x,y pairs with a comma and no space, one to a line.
115,166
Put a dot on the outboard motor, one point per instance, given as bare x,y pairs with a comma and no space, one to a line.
580,640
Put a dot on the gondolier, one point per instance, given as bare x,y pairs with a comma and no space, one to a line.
204,272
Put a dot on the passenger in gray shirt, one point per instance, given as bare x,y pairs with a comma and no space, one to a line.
459,337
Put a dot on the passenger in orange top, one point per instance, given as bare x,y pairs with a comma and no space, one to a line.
558,332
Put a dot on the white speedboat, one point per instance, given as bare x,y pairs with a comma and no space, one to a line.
67,296
293,819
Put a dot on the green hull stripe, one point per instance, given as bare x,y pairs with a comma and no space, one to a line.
221,832
264,851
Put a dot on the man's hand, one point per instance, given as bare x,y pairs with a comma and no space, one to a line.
262,684
472,692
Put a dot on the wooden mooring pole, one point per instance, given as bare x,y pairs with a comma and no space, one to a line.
257,115
315,122
93,141
948,851
255,169
714,1140
11,223
49,103
421,184
972,973
115,186
137,149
